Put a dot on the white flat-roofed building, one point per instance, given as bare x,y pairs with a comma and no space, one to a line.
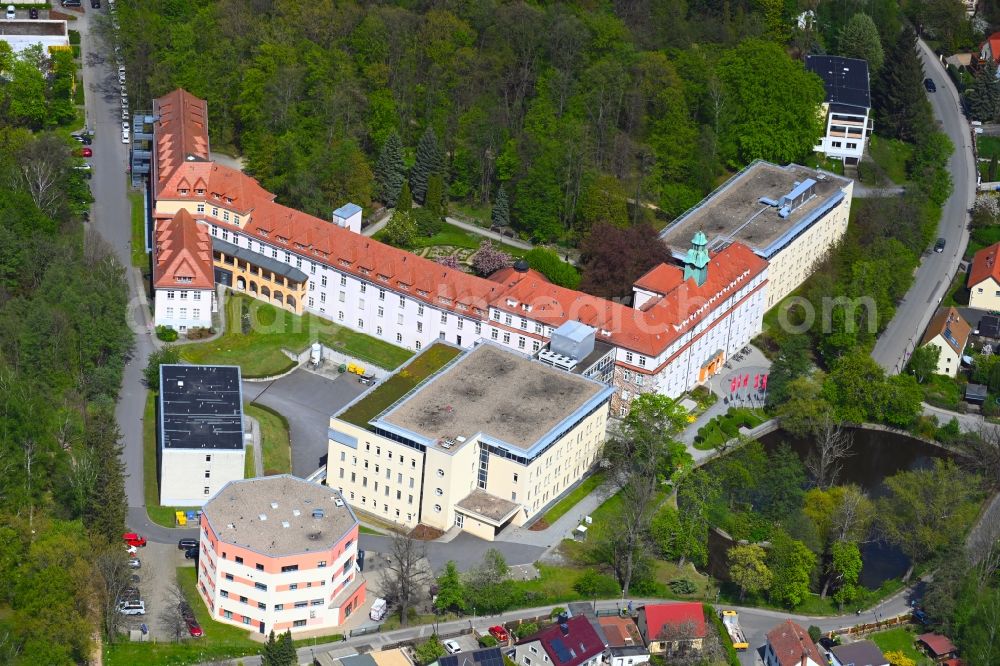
847,108
277,553
791,216
22,34
488,438
200,431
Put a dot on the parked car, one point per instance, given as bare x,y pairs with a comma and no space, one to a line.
939,245
191,554
499,633
194,628
921,617
134,563
125,114
133,539
33,13
11,14
184,544
132,608
452,647
125,136
132,550
86,152
95,4
930,85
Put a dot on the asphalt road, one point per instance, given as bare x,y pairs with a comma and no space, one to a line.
937,269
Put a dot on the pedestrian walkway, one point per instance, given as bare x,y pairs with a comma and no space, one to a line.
257,445
563,528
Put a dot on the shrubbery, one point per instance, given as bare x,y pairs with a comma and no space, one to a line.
166,333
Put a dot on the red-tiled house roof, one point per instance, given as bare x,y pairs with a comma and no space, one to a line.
620,631
181,132
670,620
571,646
661,279
792,646
985,265
950,325
182,253
937,645
993,42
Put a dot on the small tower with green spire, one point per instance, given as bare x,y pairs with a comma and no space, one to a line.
696,263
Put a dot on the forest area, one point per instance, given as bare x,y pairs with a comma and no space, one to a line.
63,344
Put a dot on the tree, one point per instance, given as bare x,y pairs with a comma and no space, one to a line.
986,210
171,615
113,576
500,214
107,507
859,39
603,200
401,229
429,161
901,108
845,569
44,165
286,648
924,362
899,658
806,405
773,101
697,494
166,355
275,651
390,172
404,204
429,651
793,361
983,97
748,570
612,259
548,263
831,445
488,260
487,588
919,502
435,201
451,590
404,577
792,564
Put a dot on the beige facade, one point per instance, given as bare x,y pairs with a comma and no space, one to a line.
985,295
949,361
399,469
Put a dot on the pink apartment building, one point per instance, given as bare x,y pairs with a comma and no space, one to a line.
279,553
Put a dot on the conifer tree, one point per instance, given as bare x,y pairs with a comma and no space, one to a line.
434,201
390,173
901,108
500,215
404,204
983,97
859,39
107,507
286,649
430,160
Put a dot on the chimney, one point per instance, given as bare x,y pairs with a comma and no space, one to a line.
564,626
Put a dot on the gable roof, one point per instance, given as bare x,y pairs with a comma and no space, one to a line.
949,324
939,645
182,253
791,645
620,631
985,265
994,44
571,646
660,617
181,133
860,653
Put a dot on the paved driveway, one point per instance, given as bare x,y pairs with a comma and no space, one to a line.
307,400
465,549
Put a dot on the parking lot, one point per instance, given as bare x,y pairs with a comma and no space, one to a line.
306,399
157,576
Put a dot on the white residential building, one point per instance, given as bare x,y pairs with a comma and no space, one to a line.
183,282
847,108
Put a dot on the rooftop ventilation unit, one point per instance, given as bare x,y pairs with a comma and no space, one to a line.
296,512
767,201
549,357
285,524
318,513
262,516
801,193
274,505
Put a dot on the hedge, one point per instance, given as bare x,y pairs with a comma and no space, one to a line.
727,642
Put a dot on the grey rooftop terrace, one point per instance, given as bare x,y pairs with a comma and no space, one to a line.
734,212
235,515
499,393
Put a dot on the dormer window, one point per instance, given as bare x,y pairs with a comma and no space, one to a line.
183,191
365,271
229,200
200,191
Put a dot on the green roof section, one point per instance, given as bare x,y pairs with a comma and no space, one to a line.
380,398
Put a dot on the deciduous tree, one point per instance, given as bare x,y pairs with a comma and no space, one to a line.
401,229
166,355
792,564
405,575
612,259
488,259
748,570
451,590
923,362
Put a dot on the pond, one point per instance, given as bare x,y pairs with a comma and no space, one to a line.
877,455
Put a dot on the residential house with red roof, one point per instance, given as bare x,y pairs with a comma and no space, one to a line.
938,647
984,279
626,646
788,644
949,332
673,628
183,281
573,642
989,51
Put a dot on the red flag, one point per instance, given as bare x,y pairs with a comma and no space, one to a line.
756,381
732,385
746,380
763,382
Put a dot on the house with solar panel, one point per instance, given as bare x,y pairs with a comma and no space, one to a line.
200,432
949,332
847,107
570,642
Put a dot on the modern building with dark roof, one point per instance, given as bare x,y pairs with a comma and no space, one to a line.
477,439
847,106
859,653
200,431
277,553
570,643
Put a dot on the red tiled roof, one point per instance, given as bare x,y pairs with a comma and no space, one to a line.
952,662
574,646
183,253
505,274
181,132
620,631
950,325
939,645
661,279
223,186
985,264
994,42
677,616
791,645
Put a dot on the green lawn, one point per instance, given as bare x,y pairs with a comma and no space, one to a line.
958,293
988,146
274,439
452,235
396,386
161,515
900,639
469,213
944,392
565,504
982,237
891,156
139,257
259,352
249,470
220,641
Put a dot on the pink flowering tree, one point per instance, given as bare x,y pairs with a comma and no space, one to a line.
488,259
450,261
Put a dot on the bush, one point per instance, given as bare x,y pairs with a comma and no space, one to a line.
682,586
525,629
427,221
553,268
593,584
727,642
488,641
166,333
199,333
815,633
74,36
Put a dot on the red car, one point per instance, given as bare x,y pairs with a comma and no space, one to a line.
194,628
499,633
133,539
86,152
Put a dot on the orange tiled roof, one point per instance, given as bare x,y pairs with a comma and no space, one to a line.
791,645
181,132
183,253
949,324
985,264
661,279
221,185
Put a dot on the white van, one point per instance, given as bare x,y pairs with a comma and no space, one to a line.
132,607
11,14
379,609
